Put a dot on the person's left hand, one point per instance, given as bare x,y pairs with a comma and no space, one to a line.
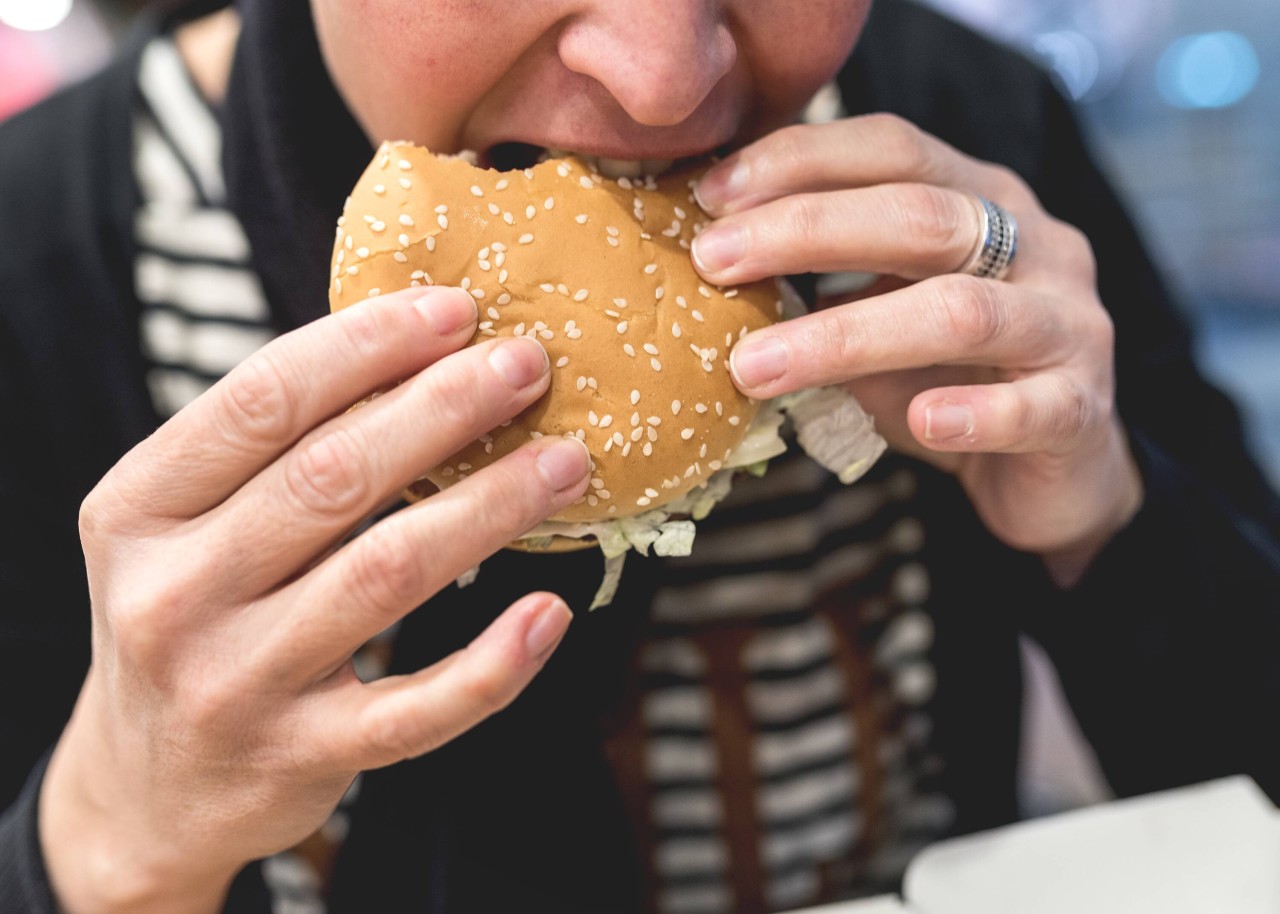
1007,384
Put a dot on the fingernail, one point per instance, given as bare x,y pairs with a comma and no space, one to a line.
447,310
947,421
519,362
719,248
759,360
547,629
722,184
564,463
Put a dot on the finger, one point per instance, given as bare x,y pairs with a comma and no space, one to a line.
313,624
908,230
853,152
1043,413
338,474
228,434
950,319
401,717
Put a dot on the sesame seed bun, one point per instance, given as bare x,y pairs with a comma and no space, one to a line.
598,269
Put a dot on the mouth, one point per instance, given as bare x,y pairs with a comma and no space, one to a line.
510,156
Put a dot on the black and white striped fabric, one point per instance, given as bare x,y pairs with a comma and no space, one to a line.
778,750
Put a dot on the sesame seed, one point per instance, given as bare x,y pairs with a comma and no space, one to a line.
400,257
502,276
700,408
591,382
606,421
562,288
582,382
406,220
680,213
379,188
648,449
609,312
504,298
347,243
547,287
485,325
651,493
466,283
658,293
442,209
353,270
562,170
526,238
519,331
508,218
675,329
406,183
651,268
362,252
655,365
702,451
592,419
719,408
404,240
476,191
581,218
714,465
697,316
604,493
405,165
734,420
732,293
530,211
686,433
592,500
654,420
689,471
549,203
608,445
495,209
682,301
613,242
499,246
493,313
618,439
580,295
622,326
650,348
620,302
626,449
675,407
431,242
443,221
585,182
562,361
546,334
337,286
702,290
484,265
635,397
378,226
627,348
574,333
447,471
642,502
478,293
374,293
652,433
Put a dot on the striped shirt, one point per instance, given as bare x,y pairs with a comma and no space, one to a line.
775,748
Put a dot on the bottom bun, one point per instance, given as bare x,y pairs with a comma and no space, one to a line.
552,544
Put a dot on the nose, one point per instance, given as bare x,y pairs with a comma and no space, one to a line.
659,59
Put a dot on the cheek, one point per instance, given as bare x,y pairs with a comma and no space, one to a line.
800,44
408,68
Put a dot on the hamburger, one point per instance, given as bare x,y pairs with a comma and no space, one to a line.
598,269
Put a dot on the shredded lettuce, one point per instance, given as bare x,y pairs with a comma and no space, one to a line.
830,426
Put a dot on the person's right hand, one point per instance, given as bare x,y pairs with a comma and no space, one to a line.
221,720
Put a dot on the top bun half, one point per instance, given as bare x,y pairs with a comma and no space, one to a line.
598,269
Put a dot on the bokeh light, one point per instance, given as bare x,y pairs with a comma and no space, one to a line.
34,15
1210,70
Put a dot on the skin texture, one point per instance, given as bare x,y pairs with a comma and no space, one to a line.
224,619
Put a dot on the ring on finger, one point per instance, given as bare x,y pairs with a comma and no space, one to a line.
993,255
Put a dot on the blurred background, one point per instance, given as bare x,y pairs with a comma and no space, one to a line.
1182,98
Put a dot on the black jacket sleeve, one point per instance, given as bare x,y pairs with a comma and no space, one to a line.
1169,649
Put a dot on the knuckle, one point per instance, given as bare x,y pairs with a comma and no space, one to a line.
386,575
1077,253
393,738
806,218
258,404
364,330
1074,413
488,689
327,475
787,149
208,701
514,501
901,141
971,309
933,220
456,397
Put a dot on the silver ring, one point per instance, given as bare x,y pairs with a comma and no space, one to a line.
997,243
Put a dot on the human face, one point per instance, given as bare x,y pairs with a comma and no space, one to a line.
622,79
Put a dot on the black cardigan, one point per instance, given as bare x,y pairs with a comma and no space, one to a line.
1168,649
